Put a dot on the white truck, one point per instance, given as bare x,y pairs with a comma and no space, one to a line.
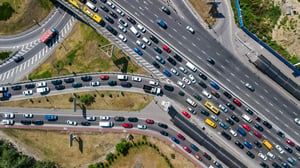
135,32
106,124
91,6
191,66
122,77
42,90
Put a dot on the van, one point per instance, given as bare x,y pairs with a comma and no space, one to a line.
42,90
191,66
91,6
191,102
106,124
248,145
233,132
122,77
135,32
241,131
246,118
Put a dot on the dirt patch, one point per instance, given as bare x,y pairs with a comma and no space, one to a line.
203,10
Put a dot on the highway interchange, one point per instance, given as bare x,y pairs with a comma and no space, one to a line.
228,72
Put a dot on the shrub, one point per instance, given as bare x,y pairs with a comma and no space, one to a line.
144,138
102,95
110,95
173,156
6,11
70,99
122,93
39,101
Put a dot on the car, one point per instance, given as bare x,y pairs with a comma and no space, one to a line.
122,22
56,82
26,122
126,84
186,114
187,149
233,132
27,92
240,145
180,84
41,84
77,85
214,85
175,140
202,84
275,165
263,165
216,94
229,121
292,161
260,128
85,123
104,118
192,78
246,127
91,118
149,121
139,43
198,157
110,20
174,71
257,118
163,125
251,155
69,80
155,64
207,156
177,57
29,85
146,41
298,148
122,37
297,121
113,14
195,147
166,10
164,133
18,59
167,73
8,122
141,28
180,136
169,88
181,93
279,148
223,125
249,111
154,39
258,144
9,115
210,60
95,83
182,69
190,29
86,78
217,164
119,119
227,136
111,30
136,79
235,118
111,5
141,126
139,52
214,118
159,59
104,77
71,122
120,12
290,142
104,8
166,48
59,87
230,106
16,87
285,165
122,28
237,102
257,134
201,75
38,122
162,23
28,115
250,87
227,95
281,134
131,20
133,119
271,155
268,125
127,125
191,110
288,149
223,108
172,61
186,80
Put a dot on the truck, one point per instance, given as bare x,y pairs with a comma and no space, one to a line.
5,96
91,6
151,89
135,32
51,117
48,35
106,124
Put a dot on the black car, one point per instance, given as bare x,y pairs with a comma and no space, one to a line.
112,30
38,122
230,106
235,118
210,60
281,134
104,1
126,84
251,155
164,133
131,20
25,122
16,87
86,78
207,156
204,112
260,128
227,136
227,95
181,93
263,165
288,149
110,20
297,148
169,88
30,85
155,64
162,125
166,10
60,87
229,121
94,1
249,111
201,83
268,125
56,82
172,61
154,39
258,144
113,15
158,50
18,59
202,76
104,8
133,119
112,83
118,118
85,123
240,145
69,80
177,57
275,165
77,85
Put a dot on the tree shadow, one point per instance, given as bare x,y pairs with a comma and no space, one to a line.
122,64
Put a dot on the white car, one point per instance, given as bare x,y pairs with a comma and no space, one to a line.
123,29
214,118
154,83
280,150
3,89
41,84
174,71
96,83
136,78
192,78
111,5
186,80
297,121
91,118
205,93
8,115
120,12
142,126
183,70
233,132
104,118
71,122
141,28
122,37
262,156
250,87
180,84
27,92
139,43
8,122
121,21
191,110
223,108
146,41
190,29
271,155
28,115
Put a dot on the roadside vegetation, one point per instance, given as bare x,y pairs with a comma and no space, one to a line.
84,50
19,15
4,55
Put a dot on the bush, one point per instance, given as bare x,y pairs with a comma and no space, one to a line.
144,138
110,95
173,156
39,101
6,11
102,95
70,99
95,95
122,93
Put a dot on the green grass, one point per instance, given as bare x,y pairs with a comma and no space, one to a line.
46,4
6,11
4,55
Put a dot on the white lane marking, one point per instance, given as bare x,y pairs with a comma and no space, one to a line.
142,14
7,74
276,117
238,87
228,80
286,125
296,133
256,83
170,35
275,98
246,76
271,104
199,57
267,110
219,72
247,94
194,44
156,15
280,111
12,72
189,50
198,38
257,102
242,81
262,97
227,60
285,105
203,52
294,113
222,67
151,21
179,42
232,74
184,37
174,30
266,91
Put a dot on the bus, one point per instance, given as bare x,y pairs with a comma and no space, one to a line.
76,3
191,102
268,144
210,123
212,108
92,14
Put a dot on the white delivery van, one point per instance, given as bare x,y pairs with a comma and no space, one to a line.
135,32
123,77
91,6
42,90
246,118
191,66
106,124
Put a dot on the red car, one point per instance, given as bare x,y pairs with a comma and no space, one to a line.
187,149
257,134
290,142
167,49
236,102
181,136
127,125
198,157
246,127
186,114
149,121
104,77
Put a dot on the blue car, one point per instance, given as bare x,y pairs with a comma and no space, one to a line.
248,145
167,73
175,140
214,85
138,51
161,23
241,131
223,125
195,147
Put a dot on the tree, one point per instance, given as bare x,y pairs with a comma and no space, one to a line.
130,137
123,147
87,99
109,157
